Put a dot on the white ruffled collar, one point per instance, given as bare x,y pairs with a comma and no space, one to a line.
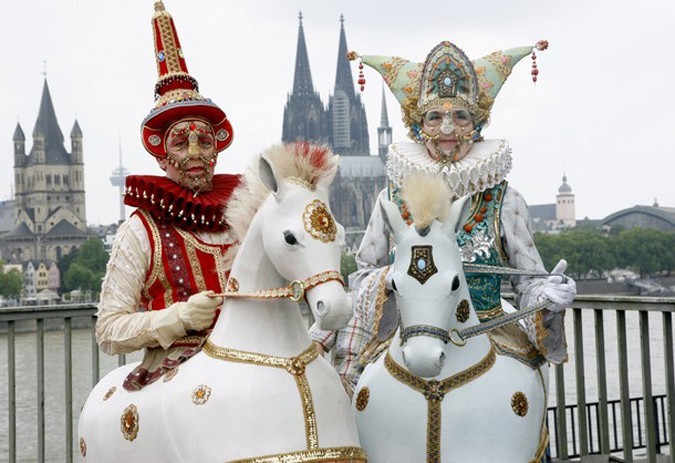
483,167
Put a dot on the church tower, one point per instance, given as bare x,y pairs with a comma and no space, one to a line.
304,115
564,205
384,135
348,127
49,191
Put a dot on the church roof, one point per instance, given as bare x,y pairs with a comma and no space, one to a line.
564,188
18,133
48,127
65,228
20,230
361,167
542,211
76,131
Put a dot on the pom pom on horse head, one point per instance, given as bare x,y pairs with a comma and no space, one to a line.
434,396
258,390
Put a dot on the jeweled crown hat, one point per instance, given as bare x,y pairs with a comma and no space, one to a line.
177,92
448,77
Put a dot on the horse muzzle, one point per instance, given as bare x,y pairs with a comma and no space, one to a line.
330,305
424,357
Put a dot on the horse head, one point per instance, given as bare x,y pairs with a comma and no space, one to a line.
298,232
428,280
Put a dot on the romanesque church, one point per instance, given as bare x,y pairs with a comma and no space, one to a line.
49,200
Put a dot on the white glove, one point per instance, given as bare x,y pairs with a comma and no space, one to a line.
198,311
559,289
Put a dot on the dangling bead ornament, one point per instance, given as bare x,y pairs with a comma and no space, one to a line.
352,56
541,46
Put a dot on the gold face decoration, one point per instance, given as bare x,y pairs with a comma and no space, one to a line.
319,222
519,404
129,422
422,265
201,395
462,311
362,399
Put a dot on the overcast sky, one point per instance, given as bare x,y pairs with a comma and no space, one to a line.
602,111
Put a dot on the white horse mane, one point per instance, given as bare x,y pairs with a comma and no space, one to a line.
427,198
302,162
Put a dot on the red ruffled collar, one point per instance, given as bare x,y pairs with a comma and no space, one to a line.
169,202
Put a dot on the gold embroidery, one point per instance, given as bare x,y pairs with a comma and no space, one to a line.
490,313
519,404
362,399
109,394
129,422
83,447
201,394
376,346
434,391
192,243
319,222
462,312
294,365
156,265
169,43
352,454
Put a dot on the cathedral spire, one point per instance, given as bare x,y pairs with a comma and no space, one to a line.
46,123
302,81
384,134
343,75
384,118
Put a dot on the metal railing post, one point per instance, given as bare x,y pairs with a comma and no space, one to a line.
626,416
40,339
562,413
580,384
11,386
68,352
601,369
670,377
650,417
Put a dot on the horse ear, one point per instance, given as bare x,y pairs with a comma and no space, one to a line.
269,177
459,213
392,218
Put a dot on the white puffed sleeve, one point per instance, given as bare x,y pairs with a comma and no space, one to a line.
545,328
121,326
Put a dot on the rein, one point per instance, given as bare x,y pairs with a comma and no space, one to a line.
459,337
294,291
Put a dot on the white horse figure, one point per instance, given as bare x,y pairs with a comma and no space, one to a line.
430,398
258,391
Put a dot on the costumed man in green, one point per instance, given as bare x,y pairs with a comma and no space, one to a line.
446,102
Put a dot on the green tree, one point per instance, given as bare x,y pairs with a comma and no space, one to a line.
84,268
10,283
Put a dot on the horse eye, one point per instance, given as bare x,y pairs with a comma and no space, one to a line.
455,283
393,285
290,238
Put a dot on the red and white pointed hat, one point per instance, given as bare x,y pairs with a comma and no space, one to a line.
177,92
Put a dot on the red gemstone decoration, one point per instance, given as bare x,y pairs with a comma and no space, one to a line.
192,127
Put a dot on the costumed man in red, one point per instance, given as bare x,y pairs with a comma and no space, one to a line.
175,249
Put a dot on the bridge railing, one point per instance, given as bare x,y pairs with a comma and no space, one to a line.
616,394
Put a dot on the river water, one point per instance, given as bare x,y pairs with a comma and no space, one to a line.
26,378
